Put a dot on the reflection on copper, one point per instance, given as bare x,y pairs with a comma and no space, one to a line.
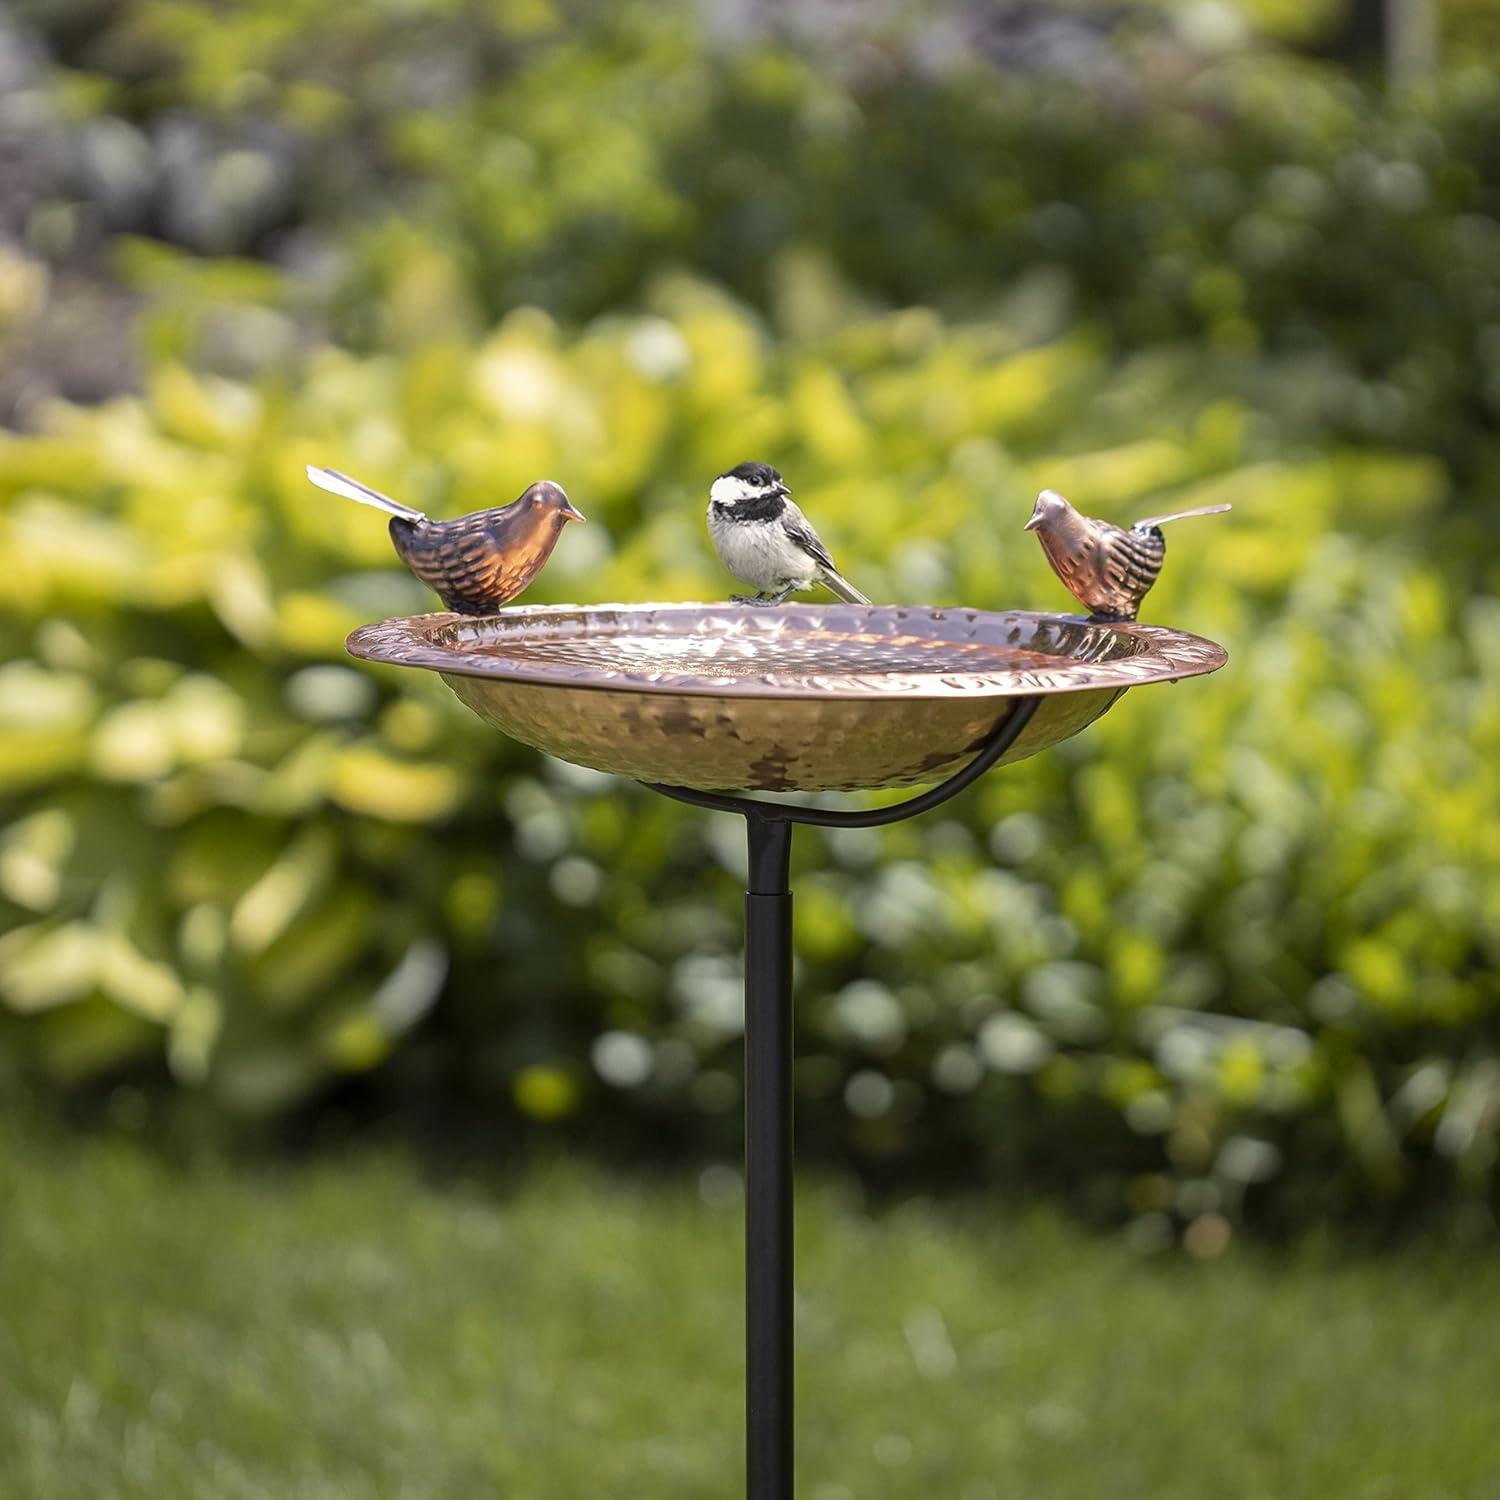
803,697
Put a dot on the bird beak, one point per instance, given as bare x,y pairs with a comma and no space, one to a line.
1035,521
782,490
571,512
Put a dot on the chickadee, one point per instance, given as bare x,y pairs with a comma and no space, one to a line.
477,562
764,539
1108,569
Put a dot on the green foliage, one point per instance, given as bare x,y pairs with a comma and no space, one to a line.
1231,952
352,1328
561,159
1239,931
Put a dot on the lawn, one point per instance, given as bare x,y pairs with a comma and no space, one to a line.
354,1327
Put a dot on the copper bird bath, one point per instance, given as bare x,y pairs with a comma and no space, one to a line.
704,701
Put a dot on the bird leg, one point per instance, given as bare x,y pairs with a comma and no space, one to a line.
762,600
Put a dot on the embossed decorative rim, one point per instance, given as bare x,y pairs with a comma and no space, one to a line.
1108,654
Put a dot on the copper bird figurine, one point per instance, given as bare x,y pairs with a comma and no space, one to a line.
477,562
1108,569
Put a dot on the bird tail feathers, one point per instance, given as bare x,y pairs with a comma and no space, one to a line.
836,583
351,489
1178,515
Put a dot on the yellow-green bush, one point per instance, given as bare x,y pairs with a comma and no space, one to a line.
1240,931
1233,949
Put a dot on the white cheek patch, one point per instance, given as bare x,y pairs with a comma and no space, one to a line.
726,489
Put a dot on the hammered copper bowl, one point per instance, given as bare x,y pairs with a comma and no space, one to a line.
800,697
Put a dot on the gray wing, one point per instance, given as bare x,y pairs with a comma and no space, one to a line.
799,529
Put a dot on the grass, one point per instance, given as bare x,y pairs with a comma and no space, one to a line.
350,1328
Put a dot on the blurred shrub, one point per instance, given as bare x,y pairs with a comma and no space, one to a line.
1162,179
1234,950
1239,938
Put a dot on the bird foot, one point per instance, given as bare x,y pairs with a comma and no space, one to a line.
759,600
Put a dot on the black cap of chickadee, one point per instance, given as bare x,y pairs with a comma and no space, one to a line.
747,483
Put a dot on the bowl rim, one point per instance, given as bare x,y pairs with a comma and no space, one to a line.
1158,654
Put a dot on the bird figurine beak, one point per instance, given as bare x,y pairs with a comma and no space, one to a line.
571,512
1036,518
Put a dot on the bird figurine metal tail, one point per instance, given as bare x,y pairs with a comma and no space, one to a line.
1107,568
475,563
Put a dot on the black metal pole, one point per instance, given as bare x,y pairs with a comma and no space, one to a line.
768,1086
768,1162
